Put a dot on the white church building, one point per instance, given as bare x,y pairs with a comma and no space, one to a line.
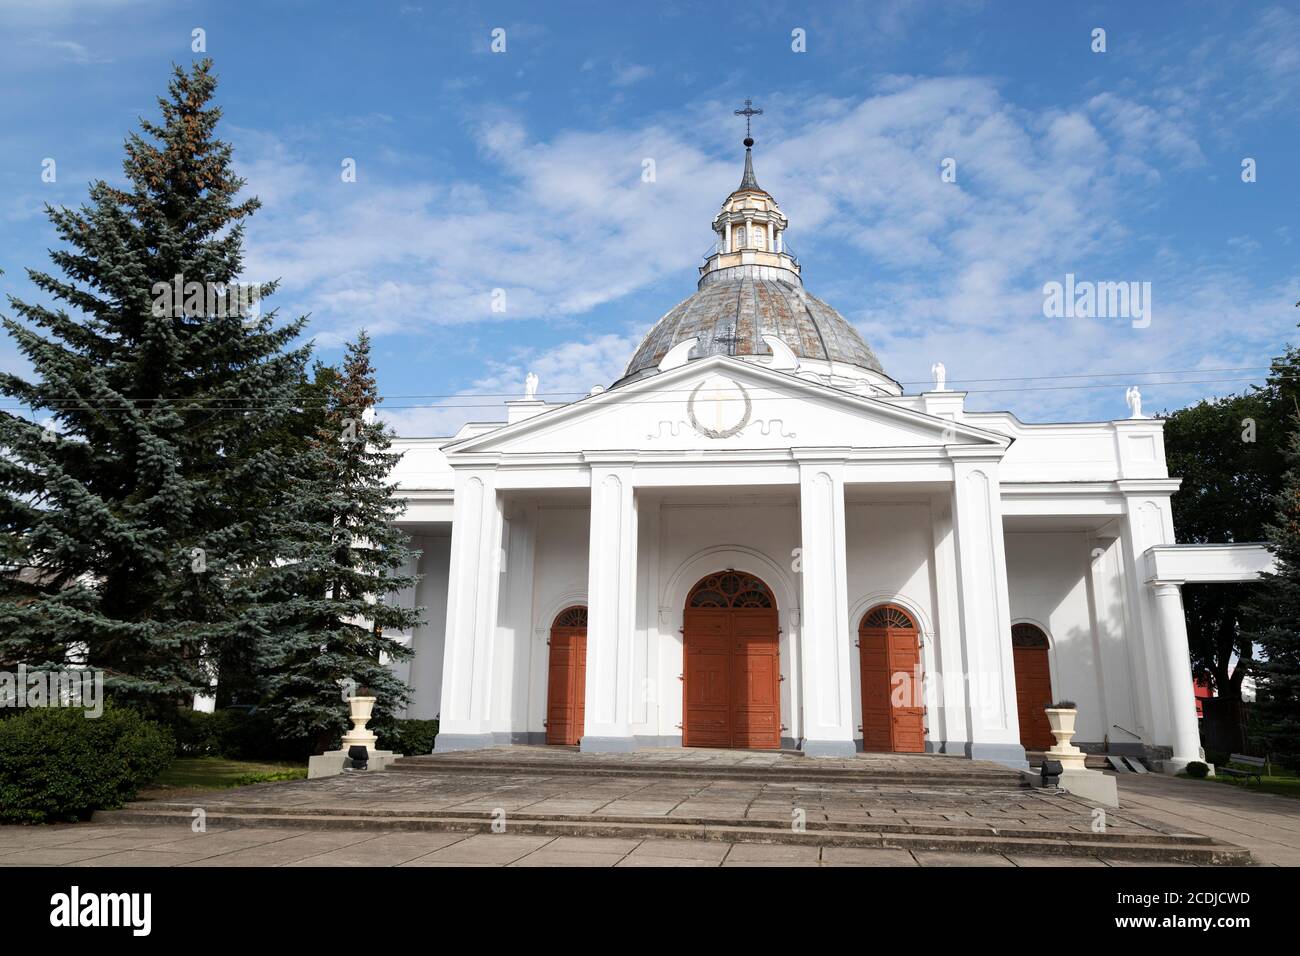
756,539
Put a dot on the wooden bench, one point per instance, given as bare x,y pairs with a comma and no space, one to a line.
1246,761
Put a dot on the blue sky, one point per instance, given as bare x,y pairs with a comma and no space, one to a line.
522,170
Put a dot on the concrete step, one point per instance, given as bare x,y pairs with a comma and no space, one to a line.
963,774
1092,761
1128,846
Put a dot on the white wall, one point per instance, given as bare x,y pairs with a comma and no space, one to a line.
890,548
425,668
559,580
680,542
1047,576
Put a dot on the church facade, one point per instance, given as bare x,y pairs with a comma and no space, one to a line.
756,539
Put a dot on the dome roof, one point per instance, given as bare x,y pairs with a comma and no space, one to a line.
751,285
731,314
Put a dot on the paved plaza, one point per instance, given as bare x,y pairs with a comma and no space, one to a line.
675,808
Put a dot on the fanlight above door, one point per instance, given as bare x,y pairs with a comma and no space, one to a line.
730,589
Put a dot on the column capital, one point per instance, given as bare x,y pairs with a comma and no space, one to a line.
1152,487
1165,588
611,460
832,455
974,454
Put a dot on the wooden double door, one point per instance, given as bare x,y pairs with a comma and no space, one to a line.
566,681
893,703
732,694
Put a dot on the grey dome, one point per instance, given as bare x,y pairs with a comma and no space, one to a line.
731,314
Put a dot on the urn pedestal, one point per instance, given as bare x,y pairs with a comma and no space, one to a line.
1075,777
359,711
335,761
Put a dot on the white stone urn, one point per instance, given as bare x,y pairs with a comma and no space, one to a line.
1061,721
359,710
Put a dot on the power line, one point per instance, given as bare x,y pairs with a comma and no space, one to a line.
76,401
61,404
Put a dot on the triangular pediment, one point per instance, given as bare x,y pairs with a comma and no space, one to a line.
722,403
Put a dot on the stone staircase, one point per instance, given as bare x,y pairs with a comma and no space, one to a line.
927,770
1148,847
1092,761
910,802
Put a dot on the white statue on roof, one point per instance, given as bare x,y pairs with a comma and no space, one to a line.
1134,399
940,376
530,387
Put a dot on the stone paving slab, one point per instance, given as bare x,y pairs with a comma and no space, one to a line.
1266,824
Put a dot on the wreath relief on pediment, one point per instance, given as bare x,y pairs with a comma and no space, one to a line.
719,407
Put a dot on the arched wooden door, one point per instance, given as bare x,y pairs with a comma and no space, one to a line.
1033,685
731,639
566,683
893,708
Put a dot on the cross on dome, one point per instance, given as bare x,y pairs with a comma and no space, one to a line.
747,181
748,112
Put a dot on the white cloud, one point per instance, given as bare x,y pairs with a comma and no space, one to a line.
565,372
59,11
69,50
625,74
566,224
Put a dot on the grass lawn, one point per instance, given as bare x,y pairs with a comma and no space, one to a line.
1282,782
217,773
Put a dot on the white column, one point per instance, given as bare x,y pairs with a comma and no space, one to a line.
472,589
824,631
948,726
611,610
985,612
771,236
1147,521
749,234
727,242
1186,739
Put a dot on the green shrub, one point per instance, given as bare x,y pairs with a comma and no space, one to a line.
1217,757
196,734
235,733
58,764
1197,770
406,736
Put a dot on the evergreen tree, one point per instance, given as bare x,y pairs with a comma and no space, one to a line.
1274,617
128,522
1231,456
326,608
235,660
